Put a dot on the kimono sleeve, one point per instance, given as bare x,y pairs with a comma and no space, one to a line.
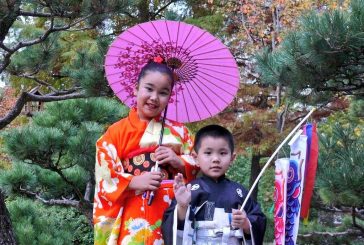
187,146
257,220
168,223
111,180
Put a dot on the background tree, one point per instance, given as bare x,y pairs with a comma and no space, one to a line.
54,163
68,64
263,113
320,63
38,39
60,45
323,59
341,164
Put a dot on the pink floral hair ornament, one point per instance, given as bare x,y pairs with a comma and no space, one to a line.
158,59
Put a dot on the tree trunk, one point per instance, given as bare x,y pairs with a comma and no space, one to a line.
254,172
6,231
353,215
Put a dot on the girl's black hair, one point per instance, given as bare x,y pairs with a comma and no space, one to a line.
214,131
154,66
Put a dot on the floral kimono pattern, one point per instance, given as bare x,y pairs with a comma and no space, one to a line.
122,216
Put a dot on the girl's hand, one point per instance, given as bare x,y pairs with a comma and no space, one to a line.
166,155
241,221
149,181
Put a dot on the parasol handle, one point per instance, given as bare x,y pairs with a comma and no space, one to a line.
151,194
274,154
155,168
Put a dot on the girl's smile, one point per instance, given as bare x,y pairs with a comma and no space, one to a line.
152,94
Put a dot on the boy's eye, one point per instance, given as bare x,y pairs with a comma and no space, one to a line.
207,152
223,153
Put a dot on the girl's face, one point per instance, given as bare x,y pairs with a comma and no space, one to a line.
152,94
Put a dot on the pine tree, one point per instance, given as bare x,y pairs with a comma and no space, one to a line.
60,46
40,40
341,166
323,58
54,155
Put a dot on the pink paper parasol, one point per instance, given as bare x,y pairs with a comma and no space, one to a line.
207,76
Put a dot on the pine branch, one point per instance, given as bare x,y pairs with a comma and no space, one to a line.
41,82
8,19
74,187
349,232
359,213
129,14
25,97
161,9
88,191
54,168
51,29
61,202
46,15
350,89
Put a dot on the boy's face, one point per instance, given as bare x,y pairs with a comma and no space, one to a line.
214,157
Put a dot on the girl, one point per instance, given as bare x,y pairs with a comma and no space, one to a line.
125,155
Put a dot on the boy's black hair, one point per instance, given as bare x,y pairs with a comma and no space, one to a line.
154,66
214,131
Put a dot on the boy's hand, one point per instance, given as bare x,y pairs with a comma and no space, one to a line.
241,221
149,181
165,155
181,192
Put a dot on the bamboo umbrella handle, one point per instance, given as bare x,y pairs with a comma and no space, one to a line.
274,154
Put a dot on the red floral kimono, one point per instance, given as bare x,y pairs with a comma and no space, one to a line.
122,216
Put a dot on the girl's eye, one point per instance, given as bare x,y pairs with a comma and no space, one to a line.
207,153
164,93
148,89
223,153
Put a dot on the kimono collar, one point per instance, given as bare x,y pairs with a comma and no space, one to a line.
209,179
135,120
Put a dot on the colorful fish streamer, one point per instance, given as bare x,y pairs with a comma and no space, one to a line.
280,198
295,183
289,182
311,167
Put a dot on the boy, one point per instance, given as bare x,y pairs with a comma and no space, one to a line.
206,211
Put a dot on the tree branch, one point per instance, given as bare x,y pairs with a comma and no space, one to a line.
11,51
8,19
332,234
25,97
342,89
89,188
37,81
47,15
161,9
359,213
74,187
63,202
